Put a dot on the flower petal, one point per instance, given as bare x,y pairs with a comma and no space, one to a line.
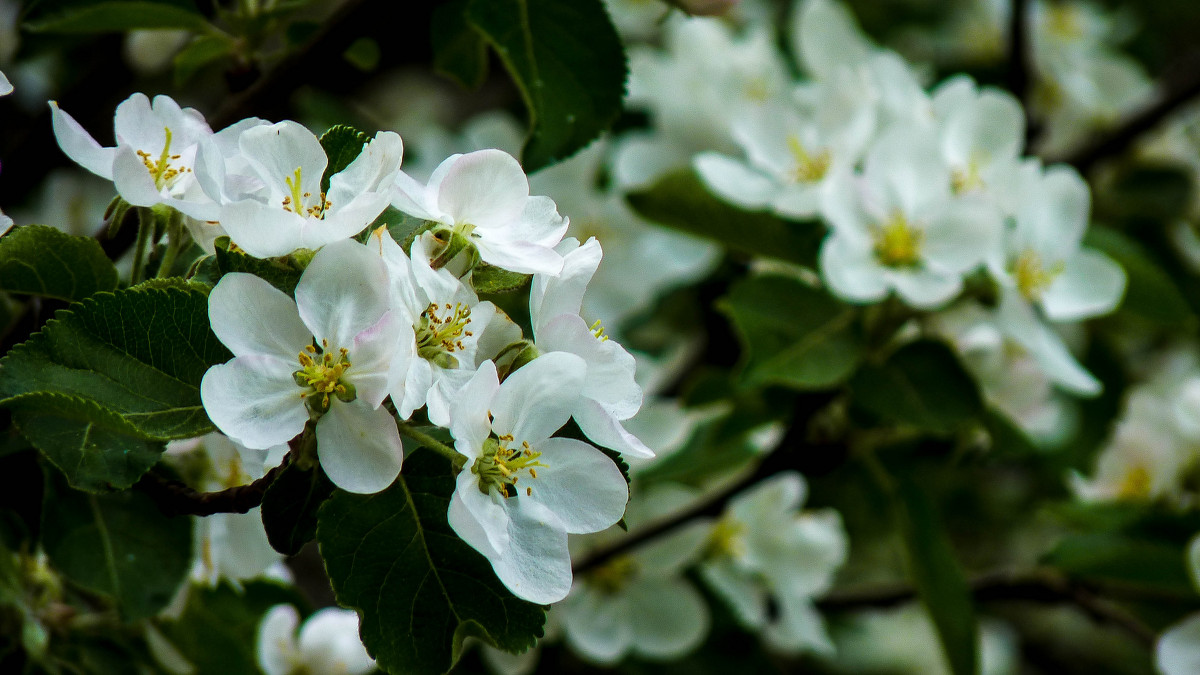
538,398
343,291
579,484
610,369
1178,650
669,616
469,422
734,181
597,624
487,188
477,518
277,640
1091,284
253,400
536,565
250,316
604,429
79,145
359,448
329,643
550,296
261,230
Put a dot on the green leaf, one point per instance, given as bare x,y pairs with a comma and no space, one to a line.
938,578
120,545
95,448
342,145
102,16
279,272
567,60
1118,557
490,279
459,51
218,629
41,260
680,201
289,507
113,369
420,589
921,384
1150,293
199,53
1158,191
793,334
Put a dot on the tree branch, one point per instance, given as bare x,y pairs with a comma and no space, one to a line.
174,498
1020,58
1039,586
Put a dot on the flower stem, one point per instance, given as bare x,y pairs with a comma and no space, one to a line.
145,227
174,243
432,443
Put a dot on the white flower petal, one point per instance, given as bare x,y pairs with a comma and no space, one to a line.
277,640
536,565
486,188
1091,284
604,429
734,181
610,369
597,624
278,151
132,180
343,291
850,272
669,618
1178,650
579,484
746,598
250,316
260,230
538,398
79,145
374,169
329,643
477,517
253,400
799,627
520,256
924,288
469,422
359,448
550,296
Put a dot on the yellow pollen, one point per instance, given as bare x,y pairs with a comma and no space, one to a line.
965,180
1032,277
441,331
727,538
297,202
498,466
1063,22
758,89
809,168
1135,485
160,169
321,373
598,331
897,244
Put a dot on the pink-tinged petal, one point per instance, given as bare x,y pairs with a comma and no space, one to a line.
478,518
486,188
250,316
132,179
276,151
359,448
410,197
581,486
538,398
850,272
550,296
79,145
1091,284
277,640
329,643
610,369
734,181
254,400
536,565
469,423
603,429
260,230
519,256
343,291
371,357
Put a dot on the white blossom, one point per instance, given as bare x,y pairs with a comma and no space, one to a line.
328,643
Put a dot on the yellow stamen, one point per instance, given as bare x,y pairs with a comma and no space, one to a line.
1135,485
809,167
897,244
613,575
498,466
1032,277
321,373
598,331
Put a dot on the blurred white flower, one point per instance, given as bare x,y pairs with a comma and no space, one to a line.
328,643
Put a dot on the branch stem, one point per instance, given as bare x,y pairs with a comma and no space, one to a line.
433,444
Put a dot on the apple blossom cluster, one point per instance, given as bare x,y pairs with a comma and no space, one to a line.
377,332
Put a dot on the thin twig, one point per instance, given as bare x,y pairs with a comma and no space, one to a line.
1040,586
175,498
1020,57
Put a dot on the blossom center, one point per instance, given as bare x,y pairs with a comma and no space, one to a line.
161,170
809,167
1135,484
598,331
614,575
1032,276
440,332
728,538
297,201
966,179
898,244
321,372
499,466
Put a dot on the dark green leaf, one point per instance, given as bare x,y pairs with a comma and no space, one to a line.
459,51
199,53
1117,557
680,201
113,369
363,54
101,16
490,279
566,59
289,507
218,630
1150,293
95,448
279,272
118,544
41,260
419,588
922,384
939,580
1162,192
343,144
794,335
